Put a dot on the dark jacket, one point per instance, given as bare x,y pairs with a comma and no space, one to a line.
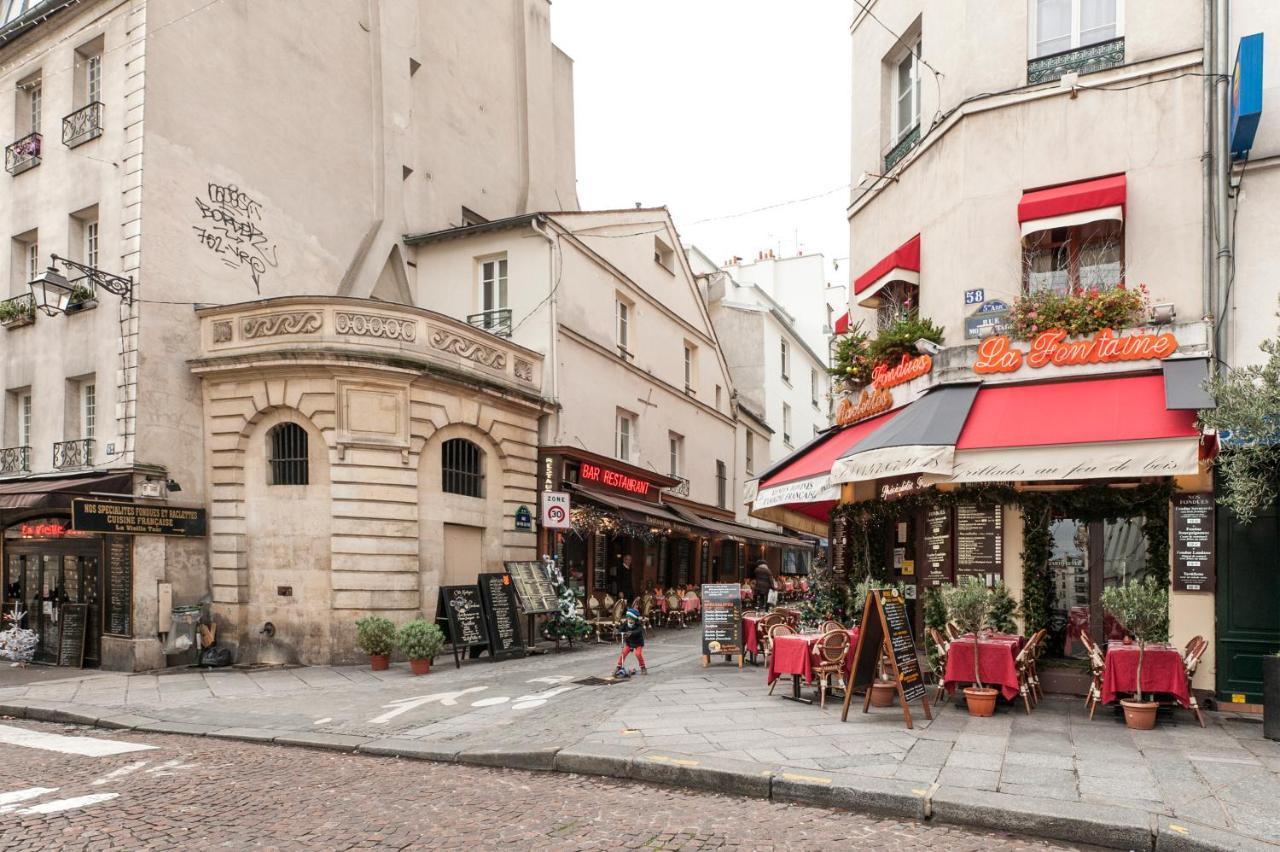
763,584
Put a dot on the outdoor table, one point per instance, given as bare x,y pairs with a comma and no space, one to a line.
794,655
997,662
750,636
1162,671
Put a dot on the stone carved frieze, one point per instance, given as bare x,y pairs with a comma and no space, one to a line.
472,350
273,325
372,325
523,370
222,332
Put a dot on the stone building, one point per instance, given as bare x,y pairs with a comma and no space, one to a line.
251,188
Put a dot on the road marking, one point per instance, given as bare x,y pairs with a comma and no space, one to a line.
528,702
491,702
119,773
551,680
22,795
85,746
404,705
59,805
168,766
326,720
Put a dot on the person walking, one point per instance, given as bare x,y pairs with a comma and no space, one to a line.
763,586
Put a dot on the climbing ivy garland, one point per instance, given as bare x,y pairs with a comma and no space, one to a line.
870,523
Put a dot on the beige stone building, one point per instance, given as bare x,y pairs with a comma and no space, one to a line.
254,187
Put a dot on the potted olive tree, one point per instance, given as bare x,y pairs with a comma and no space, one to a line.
968,605
376,636
1142,607
1271,696
421,641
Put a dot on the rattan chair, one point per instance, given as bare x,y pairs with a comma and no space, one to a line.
832,650
1024,675
779,629
1097,668
939,672
1190,660
1037,642
675,612
763,626
608,624
828,626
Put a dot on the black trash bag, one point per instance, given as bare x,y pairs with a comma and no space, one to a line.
215,657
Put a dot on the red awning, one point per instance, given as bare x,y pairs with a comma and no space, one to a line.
1072,198
1127,408
905,256
842,324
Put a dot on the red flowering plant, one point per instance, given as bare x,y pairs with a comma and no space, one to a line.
1081,311
851,359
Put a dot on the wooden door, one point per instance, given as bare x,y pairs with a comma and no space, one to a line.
463,554
1247,603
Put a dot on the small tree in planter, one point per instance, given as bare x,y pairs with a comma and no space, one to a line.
968,605
376,636
421,641
1003,609
1142,606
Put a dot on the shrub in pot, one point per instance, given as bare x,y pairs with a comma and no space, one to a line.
1142,607
968,605
420,640
376,636
1271,696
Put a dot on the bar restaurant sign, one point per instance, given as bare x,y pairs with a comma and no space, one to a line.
103,516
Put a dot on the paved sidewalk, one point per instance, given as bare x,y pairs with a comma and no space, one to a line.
1053,773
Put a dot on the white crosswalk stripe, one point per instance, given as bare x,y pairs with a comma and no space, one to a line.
60,805
23,795
85,746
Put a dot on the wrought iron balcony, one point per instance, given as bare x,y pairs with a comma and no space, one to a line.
681,490
20,310
69,454
1081,60
15,460
23,155
495,322
82,125
897,152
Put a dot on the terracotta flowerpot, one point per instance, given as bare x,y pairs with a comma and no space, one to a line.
420,667
1139,715
981,701
379,662
882,693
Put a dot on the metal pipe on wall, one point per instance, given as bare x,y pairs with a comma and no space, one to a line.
1222,175
1207,309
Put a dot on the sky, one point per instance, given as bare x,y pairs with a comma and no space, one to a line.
716,108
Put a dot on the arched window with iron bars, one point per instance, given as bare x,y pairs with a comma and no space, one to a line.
288,459
462,468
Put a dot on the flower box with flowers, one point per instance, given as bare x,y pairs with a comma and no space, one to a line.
1081,311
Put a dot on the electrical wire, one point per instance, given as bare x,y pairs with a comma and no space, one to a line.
840,188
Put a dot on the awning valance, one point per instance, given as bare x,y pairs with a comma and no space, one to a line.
729,529
901,264
1072,204
920,440
635,511
57,492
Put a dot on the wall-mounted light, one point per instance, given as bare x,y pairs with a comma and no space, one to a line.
52,290
927,347
1163,313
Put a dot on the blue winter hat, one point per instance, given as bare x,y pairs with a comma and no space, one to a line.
633,612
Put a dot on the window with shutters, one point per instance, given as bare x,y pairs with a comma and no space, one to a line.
462,468
288,461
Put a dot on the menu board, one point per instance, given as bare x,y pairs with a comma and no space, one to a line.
840,545
902,644
117,581
936,547
534,590
1193,543
71,636
501,615
978,541
600,567
721,619
460,614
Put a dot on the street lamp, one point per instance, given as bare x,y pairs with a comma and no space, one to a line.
51,292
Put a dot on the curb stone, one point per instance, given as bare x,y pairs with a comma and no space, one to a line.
1101,825
538,759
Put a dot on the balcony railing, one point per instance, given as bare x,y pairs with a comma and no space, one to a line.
77,453
20,310
495,322
15,460
681,490
1081,60
23,155
82,125
897,152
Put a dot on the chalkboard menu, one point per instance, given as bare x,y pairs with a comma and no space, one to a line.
117,579
979,545
902,644
71,636
936,546
721,619
460,615
600,567
885,631
840,545
501,615
1193,543
535,592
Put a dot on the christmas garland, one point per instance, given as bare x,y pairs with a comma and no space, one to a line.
870,523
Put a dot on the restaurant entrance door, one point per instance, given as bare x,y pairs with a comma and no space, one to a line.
1084,558
41,577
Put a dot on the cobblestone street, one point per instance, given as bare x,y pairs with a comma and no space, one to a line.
205,793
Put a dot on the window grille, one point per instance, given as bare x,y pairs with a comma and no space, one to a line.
462,468
289,455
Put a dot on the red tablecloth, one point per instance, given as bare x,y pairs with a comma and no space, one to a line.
1162,671
690,604
794,655
750,638
996,663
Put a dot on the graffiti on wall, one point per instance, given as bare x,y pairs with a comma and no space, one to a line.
230,227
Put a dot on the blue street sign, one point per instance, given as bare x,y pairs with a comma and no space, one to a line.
1246,95
975,297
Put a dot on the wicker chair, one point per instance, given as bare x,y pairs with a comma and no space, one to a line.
1024,675
646,612
675,612
776,630
1037,642
1097,667
1190,660
763,626
943,646
829,626
832,650
608,624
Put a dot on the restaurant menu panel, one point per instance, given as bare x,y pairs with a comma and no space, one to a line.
118,581
840,545
936,547
461,614
71,636
1193,543
721,619
902,644
600,566
534,590
979,541
501,615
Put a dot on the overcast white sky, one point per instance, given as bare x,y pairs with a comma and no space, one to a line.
714,108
